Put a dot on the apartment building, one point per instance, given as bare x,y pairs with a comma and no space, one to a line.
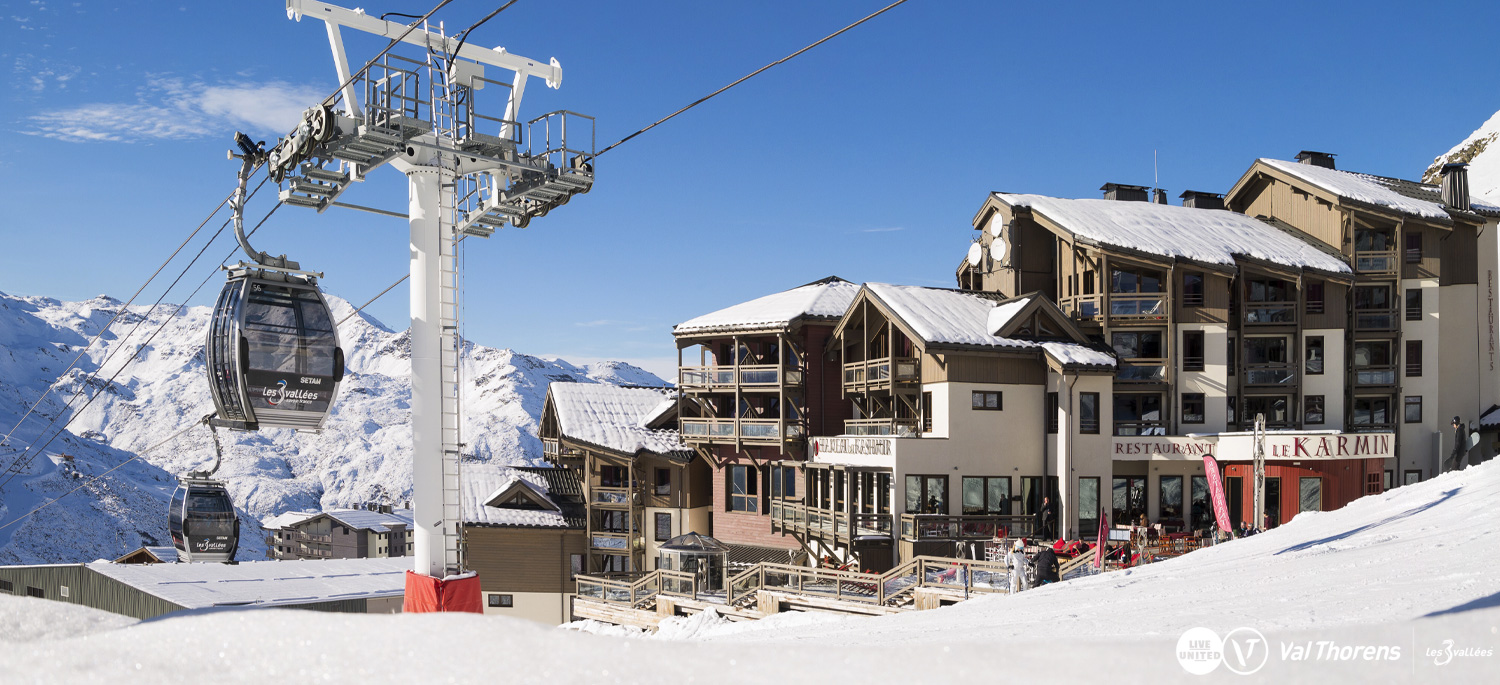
756,382
524,534
374,531
641,484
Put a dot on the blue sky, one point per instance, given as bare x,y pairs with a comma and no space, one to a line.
865,158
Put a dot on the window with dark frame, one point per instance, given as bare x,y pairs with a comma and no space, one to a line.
1310,494
1313,362
1052,410
1192,289
1230,359
35,592
575,564
783,482
663,526
987,400
1371,411
5,586
926,494
1390,479
744,486
1312,409
986,495
1413,304
1411,477
1192,407
1169,497
1413,247
1413,358
927,412
663,481
1413,408
1314,292
1192,350
1229,414
1088,413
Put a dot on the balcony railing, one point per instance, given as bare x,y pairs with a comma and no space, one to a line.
550,448
1375,319
298,536
1375,375
1270,313
883,371
1269,374
609,495
1142,371
751,430
896,427
614,542
720,377
1140,428
946,527
1083,307
1379,262
1138,307
841,527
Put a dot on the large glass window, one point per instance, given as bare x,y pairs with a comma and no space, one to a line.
1170,494
986,495
1313,364
1274,407
987,400
1312,409
1270,300
663,527
1192,289
1372,363
1413,405
1138,291
1371,411
926,494
1267,360
1145,346
1135,280
1138,414
1088,413
1311,494
611,476
783,482
744,488
1088,506
1373,306
1203,515
1129,499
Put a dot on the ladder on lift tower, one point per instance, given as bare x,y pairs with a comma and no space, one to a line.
445,125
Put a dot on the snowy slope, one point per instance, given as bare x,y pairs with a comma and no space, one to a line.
1410,569
1483,156
362,455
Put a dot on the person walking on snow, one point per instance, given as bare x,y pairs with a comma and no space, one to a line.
1017,563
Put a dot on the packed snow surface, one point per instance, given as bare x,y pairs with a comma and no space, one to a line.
362,455
1358,187
1211,236
827,298
1411,568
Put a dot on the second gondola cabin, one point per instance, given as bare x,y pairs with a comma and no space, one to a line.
202,521
273,353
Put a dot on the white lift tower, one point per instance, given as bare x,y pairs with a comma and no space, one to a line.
469,171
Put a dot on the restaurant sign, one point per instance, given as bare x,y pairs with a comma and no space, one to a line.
1240,446
852,446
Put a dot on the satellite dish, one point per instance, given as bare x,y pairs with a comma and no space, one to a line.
996,226
998,250
975,254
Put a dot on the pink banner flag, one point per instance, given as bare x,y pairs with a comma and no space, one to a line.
1103,538
1216,492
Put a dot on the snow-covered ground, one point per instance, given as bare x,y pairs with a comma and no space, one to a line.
1402,573
362,455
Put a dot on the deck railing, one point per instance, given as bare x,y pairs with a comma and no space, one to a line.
844,526
603,495
1270,374
762,430
883,371
1375,262
949,527
1138,306
749,376
1083,307
1270,313
881,427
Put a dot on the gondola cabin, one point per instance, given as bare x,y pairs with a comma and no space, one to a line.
202,521
273,352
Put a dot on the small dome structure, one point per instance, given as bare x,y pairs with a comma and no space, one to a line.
698,554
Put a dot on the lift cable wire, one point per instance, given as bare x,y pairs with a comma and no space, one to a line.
116,315
751,75
701,100
95,479
92,377
17,466
334,96
464,37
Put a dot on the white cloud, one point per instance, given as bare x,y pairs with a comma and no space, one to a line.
890,229
171,109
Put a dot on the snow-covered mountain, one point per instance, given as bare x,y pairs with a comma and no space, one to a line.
1483,155
362,455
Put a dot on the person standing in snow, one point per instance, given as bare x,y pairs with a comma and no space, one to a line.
1046,566
1016,560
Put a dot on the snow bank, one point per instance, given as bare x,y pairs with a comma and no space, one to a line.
26,619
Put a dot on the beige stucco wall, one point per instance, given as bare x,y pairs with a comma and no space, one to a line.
1329,384
1212,381
683,521
543,607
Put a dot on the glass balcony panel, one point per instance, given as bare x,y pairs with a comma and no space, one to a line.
1375,376
1274,375
1138,306
1141,372
1277,313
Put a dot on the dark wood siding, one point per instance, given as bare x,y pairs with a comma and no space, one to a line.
1433,240
523,559
1216,295
1036,248
1335,308
963,368
1459,252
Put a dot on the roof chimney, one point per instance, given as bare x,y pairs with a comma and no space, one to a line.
1198,199
1322,159
1159,196
1456,185
1120,191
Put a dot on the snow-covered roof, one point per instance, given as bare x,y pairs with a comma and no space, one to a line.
364,519
613,417
1074,354
943,316
290,518
1210,236
1491,418
167,554
828,298
481,489
1004,312
1373,190
268,583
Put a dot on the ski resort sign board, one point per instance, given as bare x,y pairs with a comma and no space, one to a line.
1317,445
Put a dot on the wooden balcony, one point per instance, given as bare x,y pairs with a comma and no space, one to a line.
612,542
610,498
882,373
1376,262
727,378
898,427
1270,313
1137,307
1082,307
834,527
760,431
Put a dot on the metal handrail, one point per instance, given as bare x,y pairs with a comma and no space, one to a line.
965,527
